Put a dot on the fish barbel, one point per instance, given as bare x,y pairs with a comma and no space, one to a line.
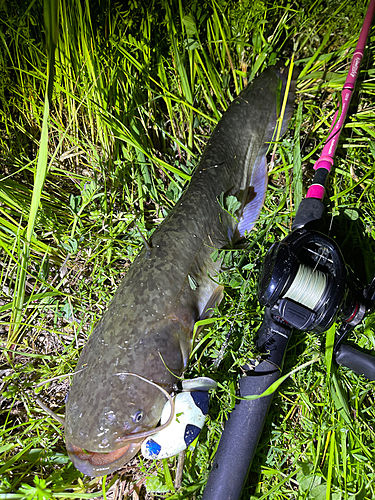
145,334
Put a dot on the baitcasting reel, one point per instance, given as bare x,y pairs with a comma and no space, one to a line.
305,284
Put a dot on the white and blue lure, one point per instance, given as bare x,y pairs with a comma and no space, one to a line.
190,411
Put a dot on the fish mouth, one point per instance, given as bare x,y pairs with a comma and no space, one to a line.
97,464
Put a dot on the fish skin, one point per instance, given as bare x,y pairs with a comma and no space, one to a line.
148,325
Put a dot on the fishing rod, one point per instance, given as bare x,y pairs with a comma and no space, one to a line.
305,285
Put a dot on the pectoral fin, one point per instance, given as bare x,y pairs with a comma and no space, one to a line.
215,299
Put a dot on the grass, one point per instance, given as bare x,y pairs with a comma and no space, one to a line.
137,89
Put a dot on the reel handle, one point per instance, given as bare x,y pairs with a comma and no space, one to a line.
360,362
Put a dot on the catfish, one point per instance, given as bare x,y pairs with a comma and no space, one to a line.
141,345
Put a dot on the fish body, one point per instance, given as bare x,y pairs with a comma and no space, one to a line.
147,328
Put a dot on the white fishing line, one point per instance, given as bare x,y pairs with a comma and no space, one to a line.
308,287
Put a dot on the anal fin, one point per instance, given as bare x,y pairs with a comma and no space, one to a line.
254,197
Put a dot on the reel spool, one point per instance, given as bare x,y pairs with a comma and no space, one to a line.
306,283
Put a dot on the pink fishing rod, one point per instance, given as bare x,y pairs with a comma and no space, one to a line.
325,162
303,285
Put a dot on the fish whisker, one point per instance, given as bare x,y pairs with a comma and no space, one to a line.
49,411
141,435
58,377
54,415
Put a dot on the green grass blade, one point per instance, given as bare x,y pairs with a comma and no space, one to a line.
51,24
297,165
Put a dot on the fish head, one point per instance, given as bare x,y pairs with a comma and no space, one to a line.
112,434
114,405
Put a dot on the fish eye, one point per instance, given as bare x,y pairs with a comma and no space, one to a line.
138,416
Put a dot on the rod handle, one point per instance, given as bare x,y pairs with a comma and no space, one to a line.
240,437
